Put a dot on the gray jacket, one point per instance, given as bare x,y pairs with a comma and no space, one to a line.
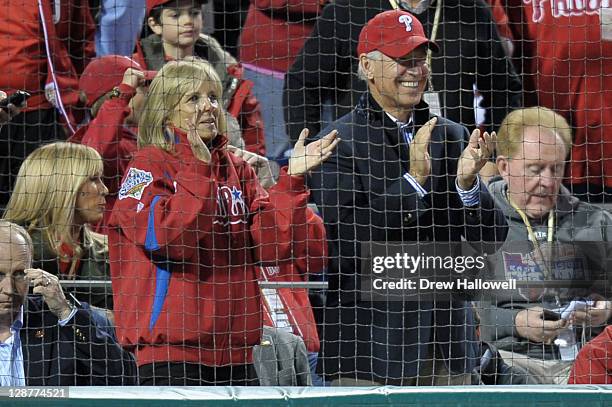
576,258
281,359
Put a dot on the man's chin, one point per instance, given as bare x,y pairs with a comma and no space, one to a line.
539,211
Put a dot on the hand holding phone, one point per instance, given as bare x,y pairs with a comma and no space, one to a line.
575,305
17,99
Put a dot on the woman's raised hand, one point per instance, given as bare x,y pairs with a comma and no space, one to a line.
306,158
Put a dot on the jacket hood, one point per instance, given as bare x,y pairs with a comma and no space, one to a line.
566,203
206,47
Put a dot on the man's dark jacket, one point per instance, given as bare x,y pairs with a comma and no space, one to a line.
363,197
77,354
471,53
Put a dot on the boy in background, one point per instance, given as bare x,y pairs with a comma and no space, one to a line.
176,27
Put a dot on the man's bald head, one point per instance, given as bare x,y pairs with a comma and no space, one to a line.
15,243
15,259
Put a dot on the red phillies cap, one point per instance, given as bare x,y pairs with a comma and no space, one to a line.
103,74
395,33
151,4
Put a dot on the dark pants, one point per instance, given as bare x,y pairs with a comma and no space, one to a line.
18,138
192,374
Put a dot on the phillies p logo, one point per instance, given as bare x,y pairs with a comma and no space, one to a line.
407,21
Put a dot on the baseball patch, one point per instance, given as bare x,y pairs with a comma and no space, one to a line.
134,184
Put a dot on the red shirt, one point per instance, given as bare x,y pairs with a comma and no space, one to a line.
568,64
275,30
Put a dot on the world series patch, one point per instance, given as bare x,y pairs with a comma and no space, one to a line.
134,184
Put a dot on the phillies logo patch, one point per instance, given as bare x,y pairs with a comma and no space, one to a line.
231,208
407,21
135,183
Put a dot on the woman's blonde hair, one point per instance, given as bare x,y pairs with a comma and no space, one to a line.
46,191
172,83
510,134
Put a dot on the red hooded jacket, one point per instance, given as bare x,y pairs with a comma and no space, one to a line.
593,364
185,240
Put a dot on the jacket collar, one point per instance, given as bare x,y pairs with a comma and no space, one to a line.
153,51
369,108
566,203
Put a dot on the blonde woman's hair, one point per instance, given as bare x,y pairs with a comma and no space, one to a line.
46,191
510,134
172,83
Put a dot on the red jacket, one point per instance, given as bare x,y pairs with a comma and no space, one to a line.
568,66
115,143
23,56
243,105
275,30
593,365
290,307
185,239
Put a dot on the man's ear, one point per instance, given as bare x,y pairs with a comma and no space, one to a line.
502,165
366,66
154,26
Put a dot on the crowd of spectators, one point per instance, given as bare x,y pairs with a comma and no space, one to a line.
145,154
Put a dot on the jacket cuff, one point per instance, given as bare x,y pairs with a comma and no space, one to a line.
127,92
291,183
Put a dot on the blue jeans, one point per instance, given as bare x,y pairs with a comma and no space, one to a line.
269,92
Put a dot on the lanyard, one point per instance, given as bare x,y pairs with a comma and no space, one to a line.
434,34
531,234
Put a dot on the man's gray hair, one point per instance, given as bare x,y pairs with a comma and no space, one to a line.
7,232
374,55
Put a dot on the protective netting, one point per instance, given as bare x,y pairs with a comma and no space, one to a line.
181,227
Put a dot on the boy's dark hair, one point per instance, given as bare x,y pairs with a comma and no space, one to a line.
156,13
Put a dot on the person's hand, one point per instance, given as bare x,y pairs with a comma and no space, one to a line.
306,158
198,147
260,164
48,285
474,157
10,111
530,324
597,315
133,78
420,161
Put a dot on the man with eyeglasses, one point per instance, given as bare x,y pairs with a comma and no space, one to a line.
322,84
400,174
557,250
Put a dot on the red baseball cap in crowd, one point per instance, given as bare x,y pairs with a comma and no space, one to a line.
395,33
103,74
151,4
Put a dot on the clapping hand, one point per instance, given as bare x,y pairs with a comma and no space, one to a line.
420,161
306,158
474,157
260,164
198,147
